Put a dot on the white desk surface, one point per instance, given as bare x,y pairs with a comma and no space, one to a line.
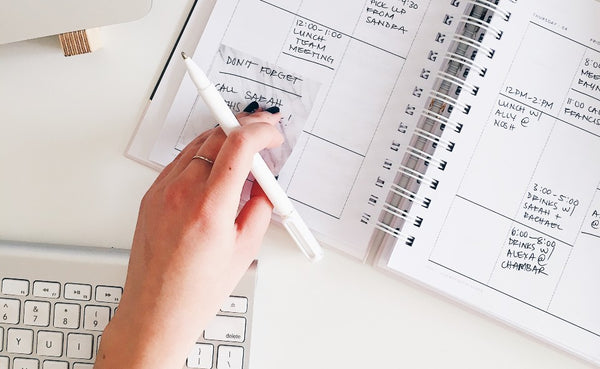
65,123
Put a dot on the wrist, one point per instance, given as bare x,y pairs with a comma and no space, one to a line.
144,340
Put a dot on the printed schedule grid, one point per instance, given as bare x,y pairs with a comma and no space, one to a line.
330,54
356,53
540,140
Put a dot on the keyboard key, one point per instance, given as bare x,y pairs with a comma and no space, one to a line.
230,357
19,341
9,311
36,313
50,290
75,291
16,287
226,328
95,318
79,346
109,294
50,343
51,364
66,315
3,362
20,363
234,304
201,356
1,339
83,366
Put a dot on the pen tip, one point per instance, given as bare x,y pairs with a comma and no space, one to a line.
183,55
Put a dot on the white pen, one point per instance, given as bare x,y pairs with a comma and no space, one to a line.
282,205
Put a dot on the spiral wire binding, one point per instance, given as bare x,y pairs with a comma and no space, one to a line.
481,24
448,100
424,201
457,81
426,157
442,120
418,176
476,44
463,61
491,6
420,154
436,140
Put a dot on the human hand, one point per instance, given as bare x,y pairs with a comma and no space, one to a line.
190,247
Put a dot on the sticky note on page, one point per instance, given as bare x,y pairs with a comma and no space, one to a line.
241,79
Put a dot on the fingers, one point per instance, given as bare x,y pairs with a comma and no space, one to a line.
221,182
253,221
185,156
251,108
213,143
260,116
254,108
208,143
234,161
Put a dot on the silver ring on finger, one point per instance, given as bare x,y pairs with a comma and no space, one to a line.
204,158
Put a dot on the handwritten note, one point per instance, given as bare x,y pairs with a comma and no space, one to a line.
242,79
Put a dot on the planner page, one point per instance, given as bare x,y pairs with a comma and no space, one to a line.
339,71
514,227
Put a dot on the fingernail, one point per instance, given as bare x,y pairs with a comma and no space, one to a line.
251,107
273,110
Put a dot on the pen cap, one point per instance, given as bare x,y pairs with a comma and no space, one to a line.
303,236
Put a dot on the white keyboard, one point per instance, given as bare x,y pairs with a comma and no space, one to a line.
56,300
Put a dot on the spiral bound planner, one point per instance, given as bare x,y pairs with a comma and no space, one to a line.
450,142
